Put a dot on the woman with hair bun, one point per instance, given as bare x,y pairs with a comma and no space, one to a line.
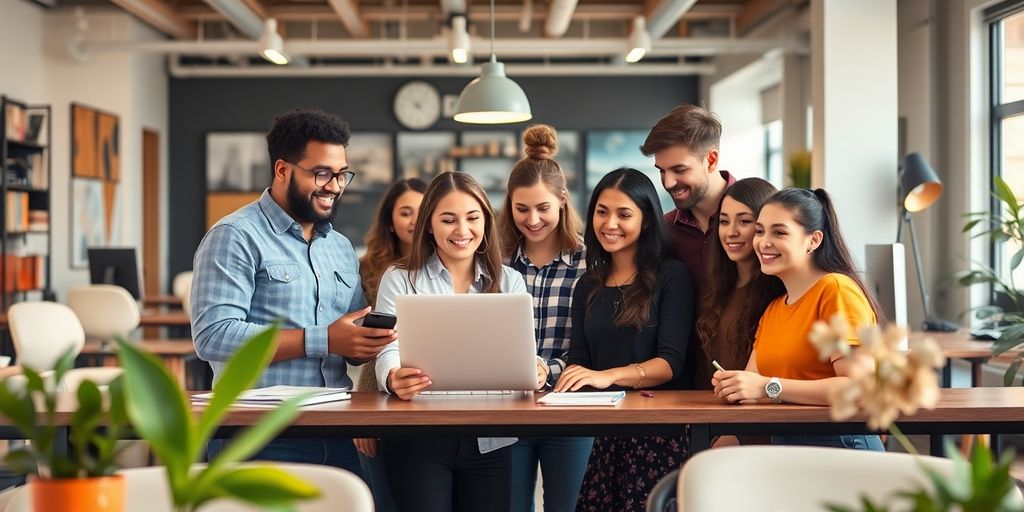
541,238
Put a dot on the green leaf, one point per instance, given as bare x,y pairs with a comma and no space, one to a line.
1005,194
1015,260
33,381
159,412
1011,372
21,461
970,225
241,373
1009,339
265,486
20,409
63,364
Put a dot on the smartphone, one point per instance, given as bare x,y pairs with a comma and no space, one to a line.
378,320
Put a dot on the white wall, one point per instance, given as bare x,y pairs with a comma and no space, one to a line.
736,99
37,68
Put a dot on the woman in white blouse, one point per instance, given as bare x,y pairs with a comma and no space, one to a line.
454,250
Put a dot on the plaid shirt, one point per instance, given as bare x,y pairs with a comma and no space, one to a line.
254,267
552,287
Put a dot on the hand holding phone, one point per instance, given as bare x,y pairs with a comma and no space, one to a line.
378,320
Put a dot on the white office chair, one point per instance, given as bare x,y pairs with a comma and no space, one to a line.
146,489
44,331
181,287
105,311
797,478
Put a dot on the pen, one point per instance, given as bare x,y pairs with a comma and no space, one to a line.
647,394
716,365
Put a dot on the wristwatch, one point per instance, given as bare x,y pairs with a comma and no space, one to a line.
773,389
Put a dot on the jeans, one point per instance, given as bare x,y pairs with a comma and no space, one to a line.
373,468
853,442
563,463
445,474
340,453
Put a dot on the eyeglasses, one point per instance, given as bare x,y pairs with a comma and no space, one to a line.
323,177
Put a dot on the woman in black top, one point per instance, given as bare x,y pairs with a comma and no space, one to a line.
632,316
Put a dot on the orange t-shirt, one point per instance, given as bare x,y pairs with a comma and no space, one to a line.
783,349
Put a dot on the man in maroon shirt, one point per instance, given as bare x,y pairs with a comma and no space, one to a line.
685,148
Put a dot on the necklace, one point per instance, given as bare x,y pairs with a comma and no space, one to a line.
619,285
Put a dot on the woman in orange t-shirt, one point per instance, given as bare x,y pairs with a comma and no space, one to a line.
797,239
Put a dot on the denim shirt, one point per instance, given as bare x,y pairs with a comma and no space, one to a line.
254,267
434,279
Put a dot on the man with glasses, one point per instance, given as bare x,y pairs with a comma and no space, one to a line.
279,258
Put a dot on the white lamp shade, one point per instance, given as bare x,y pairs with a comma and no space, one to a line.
492,98
271,44
458,40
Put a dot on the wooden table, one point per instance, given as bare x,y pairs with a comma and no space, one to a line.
960,345
148,318
172,352
154,301
964,410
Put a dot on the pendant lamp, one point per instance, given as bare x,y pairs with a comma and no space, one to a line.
492,98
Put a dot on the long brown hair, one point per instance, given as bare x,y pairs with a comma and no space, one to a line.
813,210
651,247
423,244
383,248
721,276
539,166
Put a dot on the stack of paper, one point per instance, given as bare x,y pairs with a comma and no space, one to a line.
274,395
583,398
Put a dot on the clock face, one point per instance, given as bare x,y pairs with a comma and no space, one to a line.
417,105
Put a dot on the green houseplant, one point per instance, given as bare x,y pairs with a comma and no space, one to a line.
75,475
161,414
800,169
1005,225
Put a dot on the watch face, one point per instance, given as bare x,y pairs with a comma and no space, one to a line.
417,105
773,389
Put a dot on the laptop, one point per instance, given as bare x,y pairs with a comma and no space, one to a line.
469,342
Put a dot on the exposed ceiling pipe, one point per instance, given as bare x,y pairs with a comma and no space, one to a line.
666,14
559,16
240,15
179,70
438,47
450,7
348,13
526,17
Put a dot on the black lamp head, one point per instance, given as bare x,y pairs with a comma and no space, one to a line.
919,185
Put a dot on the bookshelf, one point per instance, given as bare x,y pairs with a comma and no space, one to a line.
26,241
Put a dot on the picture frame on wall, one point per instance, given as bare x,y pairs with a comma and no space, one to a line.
488,156
371,156
237,162
424,155
608,150
95,176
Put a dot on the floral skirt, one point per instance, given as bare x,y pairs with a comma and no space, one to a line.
623,470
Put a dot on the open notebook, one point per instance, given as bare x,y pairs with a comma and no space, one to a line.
274,395
583,398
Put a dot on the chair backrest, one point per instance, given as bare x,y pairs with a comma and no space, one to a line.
105,310
42,332
795,479
181,284
146,489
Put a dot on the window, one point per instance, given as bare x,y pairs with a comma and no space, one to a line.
773,152
1006,33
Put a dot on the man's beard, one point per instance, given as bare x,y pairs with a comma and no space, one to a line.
302,206
696,195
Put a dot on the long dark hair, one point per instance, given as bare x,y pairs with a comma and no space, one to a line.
489,253
383,247
721,276
539,166
652,246
813,210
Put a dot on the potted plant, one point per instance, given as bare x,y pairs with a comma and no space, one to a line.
161,414
67,478
1005,225
800,169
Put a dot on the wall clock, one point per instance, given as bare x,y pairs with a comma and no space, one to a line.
417,105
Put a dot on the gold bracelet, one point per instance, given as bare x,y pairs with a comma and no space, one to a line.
643,375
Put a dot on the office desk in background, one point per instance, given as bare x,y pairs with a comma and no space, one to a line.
148,318
960,345
173,353
156,301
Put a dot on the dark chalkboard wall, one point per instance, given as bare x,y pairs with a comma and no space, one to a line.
198,106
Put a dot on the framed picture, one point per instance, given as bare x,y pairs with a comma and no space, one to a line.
108,152
237,162
425,154
84,156
371,156
609,150
88,219
489,156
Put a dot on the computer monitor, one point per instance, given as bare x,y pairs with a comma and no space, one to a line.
115,265
885,273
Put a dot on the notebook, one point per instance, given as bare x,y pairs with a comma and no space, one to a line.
274,395
594,398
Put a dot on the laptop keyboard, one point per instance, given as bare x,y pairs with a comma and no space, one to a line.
467,393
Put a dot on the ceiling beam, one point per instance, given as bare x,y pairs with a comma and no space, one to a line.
756,11
664,14
161,16
348,13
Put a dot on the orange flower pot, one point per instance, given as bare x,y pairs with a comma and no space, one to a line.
103,494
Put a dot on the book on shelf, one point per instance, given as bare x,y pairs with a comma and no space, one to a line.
274,395
16,122
38,220
16,213
24,273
